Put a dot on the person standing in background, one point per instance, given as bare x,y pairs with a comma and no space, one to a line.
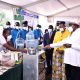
25,25
58,66
30,30
38,33
24,29
30,34
14,32
46,31
48,39
8,25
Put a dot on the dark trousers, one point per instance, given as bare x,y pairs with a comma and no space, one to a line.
72,72
49,56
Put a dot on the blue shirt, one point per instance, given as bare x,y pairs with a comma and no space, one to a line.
37,33
15,34
23,33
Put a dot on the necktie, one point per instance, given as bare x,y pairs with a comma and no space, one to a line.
50,35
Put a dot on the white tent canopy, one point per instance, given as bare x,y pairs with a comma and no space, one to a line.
49,7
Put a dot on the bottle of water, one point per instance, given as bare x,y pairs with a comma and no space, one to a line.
31,43
30,36
19,43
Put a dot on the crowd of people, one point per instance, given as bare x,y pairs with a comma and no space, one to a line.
62,47
23,29
10,34
66,57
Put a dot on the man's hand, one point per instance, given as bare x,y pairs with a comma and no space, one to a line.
48,47
24,50
67,45
60,51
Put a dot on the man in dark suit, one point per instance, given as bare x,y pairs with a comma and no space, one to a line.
48,39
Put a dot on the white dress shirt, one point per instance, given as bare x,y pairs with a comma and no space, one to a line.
71,55
2,42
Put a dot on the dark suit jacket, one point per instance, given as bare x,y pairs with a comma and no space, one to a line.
47,40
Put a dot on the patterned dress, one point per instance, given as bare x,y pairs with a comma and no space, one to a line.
58,65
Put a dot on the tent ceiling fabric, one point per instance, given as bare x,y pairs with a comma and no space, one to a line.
71,13
49,7
71,3
19,2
